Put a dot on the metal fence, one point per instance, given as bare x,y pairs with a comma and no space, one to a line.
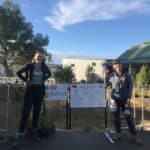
11,80
11,101
140,108
4,119
87,118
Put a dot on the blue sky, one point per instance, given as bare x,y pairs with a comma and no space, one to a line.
89,28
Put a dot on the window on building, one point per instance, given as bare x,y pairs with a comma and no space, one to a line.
93,64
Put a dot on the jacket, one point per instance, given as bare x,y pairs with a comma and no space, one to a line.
26,73
121,89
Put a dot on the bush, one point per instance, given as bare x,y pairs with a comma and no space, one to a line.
143,77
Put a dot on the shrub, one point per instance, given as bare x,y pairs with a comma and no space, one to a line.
143,76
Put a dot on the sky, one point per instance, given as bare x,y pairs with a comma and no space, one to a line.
101,29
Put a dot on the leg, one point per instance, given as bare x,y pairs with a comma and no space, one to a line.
117,122
36,112
131,125
130,122
28,103
37,106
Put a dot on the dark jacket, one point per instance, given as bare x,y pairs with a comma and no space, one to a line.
108,76
121,89
26,73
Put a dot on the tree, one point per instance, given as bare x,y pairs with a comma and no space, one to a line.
64,75
17,41
143,77
88,73
91,76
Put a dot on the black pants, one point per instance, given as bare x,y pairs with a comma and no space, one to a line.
33,99
128,117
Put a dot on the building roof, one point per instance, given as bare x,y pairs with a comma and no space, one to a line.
137,54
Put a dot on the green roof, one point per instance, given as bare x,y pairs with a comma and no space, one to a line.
138,53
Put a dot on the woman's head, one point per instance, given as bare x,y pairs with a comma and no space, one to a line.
38,58
117,66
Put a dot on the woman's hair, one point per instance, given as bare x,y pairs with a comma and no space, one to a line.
109,69
36,53
116,61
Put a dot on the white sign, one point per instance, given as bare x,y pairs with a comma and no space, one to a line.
87,95
56,92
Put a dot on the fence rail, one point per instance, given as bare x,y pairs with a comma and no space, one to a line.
12,80
11,103
140,104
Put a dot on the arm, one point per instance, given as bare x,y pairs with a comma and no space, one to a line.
108,80
22,71
47,73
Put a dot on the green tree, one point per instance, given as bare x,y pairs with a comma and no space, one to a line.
90,74
64,75
143,77
18,43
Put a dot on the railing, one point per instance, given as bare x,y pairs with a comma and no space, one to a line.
140,103
12,80
8,100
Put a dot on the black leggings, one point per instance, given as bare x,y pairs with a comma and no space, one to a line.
33,98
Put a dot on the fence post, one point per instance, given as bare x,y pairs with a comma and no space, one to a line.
69,107
68,111
5,131
7,108
142,106
134,107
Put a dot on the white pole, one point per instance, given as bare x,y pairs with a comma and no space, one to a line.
7,108
134,107
142,106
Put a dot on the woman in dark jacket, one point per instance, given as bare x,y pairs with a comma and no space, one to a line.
33,74
121,85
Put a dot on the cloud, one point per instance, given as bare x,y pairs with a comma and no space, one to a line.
68,12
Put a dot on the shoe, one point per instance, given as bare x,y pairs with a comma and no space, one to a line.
35,135
116,137
19,140
136,140
17,144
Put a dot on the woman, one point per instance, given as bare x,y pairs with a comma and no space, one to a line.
33,74
121,92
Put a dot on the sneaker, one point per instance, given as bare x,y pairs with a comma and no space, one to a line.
116,137
18,143
136,140
19,140
35,135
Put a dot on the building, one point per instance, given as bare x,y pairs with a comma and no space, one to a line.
80,65
53,68
135,57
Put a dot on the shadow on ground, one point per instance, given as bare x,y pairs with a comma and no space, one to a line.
69,140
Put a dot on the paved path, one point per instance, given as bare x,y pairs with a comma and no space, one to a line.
82,141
